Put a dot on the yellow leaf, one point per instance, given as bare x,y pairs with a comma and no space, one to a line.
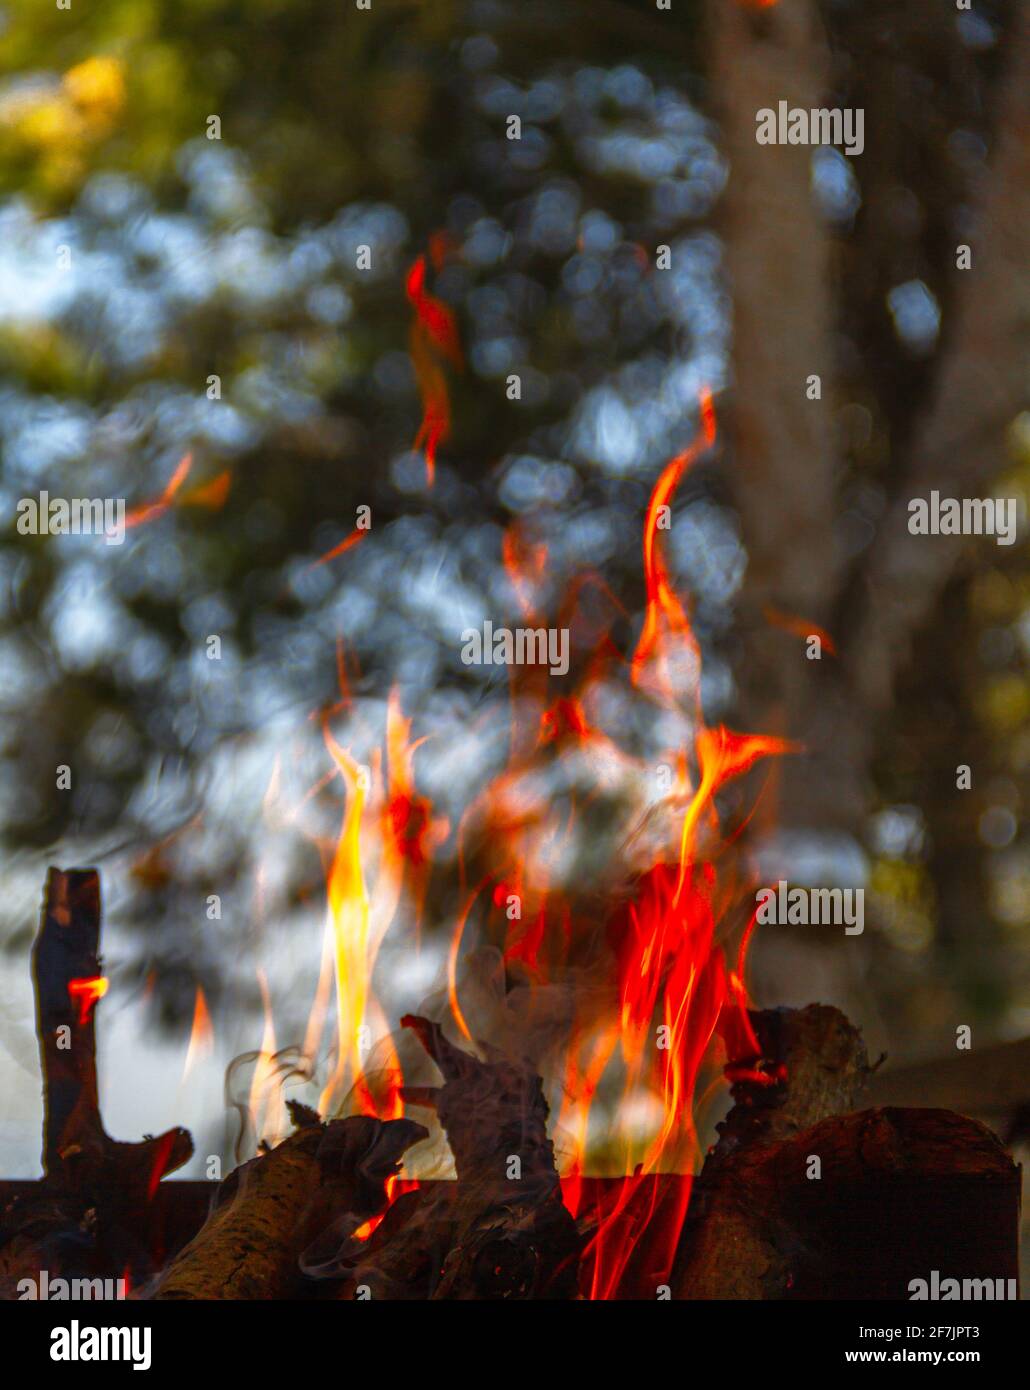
97,87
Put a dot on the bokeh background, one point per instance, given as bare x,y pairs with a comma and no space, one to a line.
186,258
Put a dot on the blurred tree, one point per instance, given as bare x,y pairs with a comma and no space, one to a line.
215,306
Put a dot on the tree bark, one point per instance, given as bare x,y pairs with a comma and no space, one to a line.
784,473
787,466
981,388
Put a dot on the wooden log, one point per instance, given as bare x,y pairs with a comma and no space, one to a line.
501,1231
324,1181
66,956
511,1235
88,1217
181,1206
810,1063
78,1155
897,1196
799,1200
47,1230
988,1083
405,1255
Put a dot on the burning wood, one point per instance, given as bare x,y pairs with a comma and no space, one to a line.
501,1231
79,1157
786,1198
85,1214
512,1235
323,1177
801,1196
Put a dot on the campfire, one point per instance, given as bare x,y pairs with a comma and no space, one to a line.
450,1152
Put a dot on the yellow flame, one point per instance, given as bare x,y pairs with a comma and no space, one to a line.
347,923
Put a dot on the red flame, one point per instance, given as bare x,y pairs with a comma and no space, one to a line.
211,495
434,333
160,1164
87,992
348,543
665,618
799,627
642,1045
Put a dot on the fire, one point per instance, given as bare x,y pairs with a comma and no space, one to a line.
799,627
649,988
348,918
150,510
355,925
348,543
434,335
412,831
160,1163
263,1099
211,495
201,1034
666,624
87,992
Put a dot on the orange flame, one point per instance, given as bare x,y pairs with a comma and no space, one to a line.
434,333
355,942
87,992
149,511
667,991
665,613
201,1033
211,495
348,543
348,917
799,627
